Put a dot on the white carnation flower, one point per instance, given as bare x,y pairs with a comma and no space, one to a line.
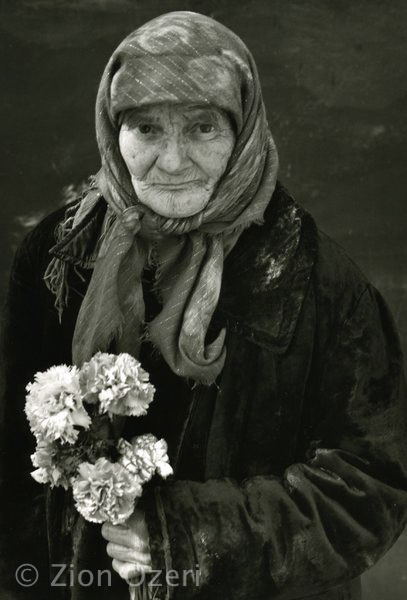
145,456
118,383
105,491
54,405
48,471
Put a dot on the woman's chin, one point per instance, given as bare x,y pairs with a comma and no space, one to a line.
178,206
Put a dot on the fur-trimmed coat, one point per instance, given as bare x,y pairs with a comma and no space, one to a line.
290,473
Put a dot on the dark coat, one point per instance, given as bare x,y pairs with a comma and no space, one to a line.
290,472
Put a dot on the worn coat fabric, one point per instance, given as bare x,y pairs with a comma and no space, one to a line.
290,472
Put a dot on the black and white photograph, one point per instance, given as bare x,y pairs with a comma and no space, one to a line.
203,300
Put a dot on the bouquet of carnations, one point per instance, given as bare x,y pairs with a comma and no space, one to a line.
72,413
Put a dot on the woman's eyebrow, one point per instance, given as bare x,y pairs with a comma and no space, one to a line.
139,114
202,113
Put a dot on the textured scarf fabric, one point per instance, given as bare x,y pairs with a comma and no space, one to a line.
180,57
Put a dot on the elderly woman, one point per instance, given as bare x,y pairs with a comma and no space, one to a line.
277,367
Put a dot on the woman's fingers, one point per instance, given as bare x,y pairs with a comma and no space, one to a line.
129,570
125,554
119,534
129,546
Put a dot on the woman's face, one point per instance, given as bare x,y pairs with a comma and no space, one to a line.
175,154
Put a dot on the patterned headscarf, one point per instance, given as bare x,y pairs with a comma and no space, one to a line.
180,57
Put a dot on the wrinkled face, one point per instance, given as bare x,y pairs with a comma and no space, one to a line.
176,154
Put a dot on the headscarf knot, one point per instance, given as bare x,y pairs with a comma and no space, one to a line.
130,219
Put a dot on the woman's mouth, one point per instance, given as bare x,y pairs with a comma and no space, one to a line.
176,186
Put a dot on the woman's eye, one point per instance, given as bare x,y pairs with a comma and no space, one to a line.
145,128
206,128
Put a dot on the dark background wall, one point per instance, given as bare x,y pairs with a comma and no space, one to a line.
334,76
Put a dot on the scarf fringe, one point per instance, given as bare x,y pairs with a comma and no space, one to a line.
56,274
56,280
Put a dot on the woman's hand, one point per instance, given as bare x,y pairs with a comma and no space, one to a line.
129,546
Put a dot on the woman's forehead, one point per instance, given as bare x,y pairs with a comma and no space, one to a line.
166,109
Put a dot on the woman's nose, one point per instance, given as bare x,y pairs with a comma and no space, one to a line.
173,156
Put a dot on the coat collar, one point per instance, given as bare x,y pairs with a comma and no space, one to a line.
265,276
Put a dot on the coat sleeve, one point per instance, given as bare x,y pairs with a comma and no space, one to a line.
328,518
22,538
